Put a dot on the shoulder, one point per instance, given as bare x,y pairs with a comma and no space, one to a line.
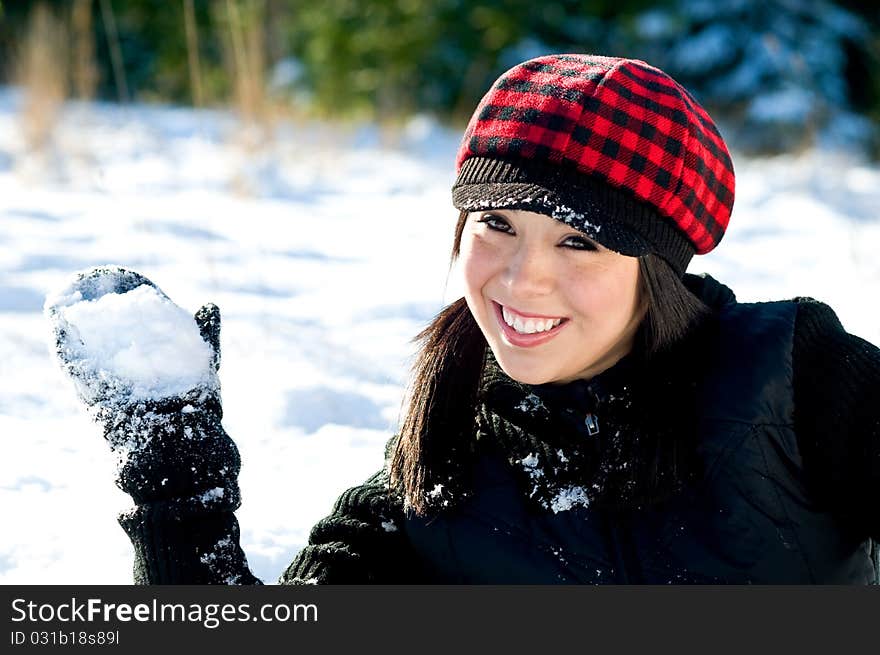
819,336
815,317
836,375
814,327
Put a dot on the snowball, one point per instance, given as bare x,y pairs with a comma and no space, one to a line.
152,346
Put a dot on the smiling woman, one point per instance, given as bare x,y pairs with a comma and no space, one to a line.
588,412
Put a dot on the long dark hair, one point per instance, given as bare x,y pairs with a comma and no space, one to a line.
445,378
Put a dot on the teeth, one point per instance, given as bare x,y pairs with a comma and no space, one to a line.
529,325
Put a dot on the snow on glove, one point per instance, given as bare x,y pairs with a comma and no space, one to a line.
147,372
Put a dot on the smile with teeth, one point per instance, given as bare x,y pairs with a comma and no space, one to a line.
528,325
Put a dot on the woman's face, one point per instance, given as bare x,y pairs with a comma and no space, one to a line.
553,305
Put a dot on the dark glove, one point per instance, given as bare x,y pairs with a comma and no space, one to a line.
147,372
170,447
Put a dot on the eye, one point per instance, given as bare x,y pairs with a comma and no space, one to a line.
495,222
579,243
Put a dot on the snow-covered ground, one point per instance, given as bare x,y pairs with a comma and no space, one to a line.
326,249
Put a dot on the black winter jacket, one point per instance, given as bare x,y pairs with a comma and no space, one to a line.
759,433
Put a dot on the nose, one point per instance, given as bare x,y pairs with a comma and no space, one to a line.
529,272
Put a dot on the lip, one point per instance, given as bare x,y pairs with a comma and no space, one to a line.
514,338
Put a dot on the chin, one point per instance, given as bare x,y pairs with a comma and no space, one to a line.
532,380
525,374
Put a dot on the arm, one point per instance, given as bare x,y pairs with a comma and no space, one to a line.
188,534
362,541
196,549
837,414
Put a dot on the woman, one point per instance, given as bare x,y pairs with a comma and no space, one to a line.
587,413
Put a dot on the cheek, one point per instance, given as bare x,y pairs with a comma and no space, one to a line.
479,262
605,296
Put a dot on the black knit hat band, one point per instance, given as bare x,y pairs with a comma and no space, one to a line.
606,214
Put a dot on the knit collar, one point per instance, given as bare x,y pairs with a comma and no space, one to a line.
568,444
554,403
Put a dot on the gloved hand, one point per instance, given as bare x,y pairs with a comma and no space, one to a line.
148,374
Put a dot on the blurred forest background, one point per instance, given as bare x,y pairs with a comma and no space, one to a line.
780,74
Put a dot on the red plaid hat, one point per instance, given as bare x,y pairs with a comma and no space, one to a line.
613,147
